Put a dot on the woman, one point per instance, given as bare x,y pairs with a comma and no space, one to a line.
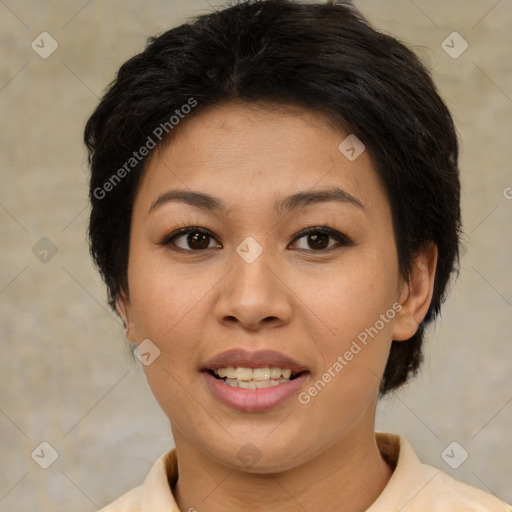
276,214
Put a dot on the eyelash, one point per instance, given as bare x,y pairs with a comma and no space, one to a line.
343,240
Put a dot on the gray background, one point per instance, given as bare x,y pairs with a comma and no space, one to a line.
66,374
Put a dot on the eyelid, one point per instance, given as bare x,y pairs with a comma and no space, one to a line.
186,229
340,237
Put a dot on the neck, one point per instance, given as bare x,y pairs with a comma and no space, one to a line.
348,476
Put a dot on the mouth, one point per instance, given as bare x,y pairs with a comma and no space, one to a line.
254,381
254,378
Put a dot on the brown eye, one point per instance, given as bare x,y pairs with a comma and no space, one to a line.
189,239
317,239
198,240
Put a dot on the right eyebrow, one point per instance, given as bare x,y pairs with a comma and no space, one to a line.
197,199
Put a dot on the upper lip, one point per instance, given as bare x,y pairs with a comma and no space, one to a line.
258,359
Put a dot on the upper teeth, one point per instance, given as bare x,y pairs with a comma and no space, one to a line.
245,374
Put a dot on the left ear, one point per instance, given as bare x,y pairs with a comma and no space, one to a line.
125,311
416,294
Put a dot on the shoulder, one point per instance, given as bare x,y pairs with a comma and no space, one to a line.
156,491
416,487
129,502
453,493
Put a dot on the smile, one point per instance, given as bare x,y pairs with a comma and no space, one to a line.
254,378
250,396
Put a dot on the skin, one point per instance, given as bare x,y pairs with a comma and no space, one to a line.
307,303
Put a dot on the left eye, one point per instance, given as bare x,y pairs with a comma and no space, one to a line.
318,238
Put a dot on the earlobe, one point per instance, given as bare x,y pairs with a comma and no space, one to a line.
124,309
416,294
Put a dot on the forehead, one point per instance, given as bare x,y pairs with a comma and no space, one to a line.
254,154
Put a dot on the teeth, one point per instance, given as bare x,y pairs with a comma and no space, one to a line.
243,374
275,373
255,384
260,374
253,378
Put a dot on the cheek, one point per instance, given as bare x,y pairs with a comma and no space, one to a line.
168,307
358,309
351,295
356,306
164,297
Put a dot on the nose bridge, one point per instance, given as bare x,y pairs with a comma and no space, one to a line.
253,277
252,265
254,292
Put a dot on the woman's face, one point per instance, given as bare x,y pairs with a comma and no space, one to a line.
325,303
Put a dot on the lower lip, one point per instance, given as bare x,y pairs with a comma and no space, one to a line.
253,400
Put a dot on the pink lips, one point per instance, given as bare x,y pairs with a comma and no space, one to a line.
253,400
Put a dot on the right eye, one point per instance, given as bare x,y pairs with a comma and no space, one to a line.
192,238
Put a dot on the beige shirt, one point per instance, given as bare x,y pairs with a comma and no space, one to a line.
413,487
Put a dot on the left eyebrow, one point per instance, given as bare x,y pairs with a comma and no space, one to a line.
291,202
305,198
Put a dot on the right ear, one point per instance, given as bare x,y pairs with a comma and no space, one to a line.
124,308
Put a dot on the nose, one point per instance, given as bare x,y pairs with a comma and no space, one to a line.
254,295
